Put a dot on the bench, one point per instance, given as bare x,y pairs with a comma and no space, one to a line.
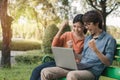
111,71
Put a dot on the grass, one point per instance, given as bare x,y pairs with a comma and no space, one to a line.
105,78
20,71
23,72
17,72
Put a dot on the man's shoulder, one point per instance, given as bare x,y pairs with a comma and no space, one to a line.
109,36
103,36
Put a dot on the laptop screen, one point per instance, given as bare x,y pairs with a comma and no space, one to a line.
64,57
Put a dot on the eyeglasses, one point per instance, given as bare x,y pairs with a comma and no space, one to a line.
88,23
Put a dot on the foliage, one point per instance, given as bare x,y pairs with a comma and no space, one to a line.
23,8
28,59
23,45
27,29
114,31
50,32
64,9
99,4
47,9
68,28
43,12
31,57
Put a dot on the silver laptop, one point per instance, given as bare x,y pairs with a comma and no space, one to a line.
65,58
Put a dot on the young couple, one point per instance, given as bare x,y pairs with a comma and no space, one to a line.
97,49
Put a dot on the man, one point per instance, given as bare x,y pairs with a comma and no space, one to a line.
99,48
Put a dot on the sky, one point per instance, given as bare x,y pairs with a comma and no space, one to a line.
115,21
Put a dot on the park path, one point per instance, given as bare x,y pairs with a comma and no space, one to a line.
13,54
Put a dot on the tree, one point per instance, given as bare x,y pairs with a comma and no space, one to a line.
6,33
64,8
105,7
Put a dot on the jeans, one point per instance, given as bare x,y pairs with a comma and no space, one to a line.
36,73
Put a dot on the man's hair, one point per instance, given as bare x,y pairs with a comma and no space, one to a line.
78,18
93,16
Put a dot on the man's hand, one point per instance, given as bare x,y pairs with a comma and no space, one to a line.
92,45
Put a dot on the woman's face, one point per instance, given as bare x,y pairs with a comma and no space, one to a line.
78,28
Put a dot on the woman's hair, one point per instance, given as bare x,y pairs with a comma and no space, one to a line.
93,16
78,18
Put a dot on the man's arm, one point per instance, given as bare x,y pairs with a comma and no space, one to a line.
104,59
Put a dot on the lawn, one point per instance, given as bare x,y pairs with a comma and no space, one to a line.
23,72
23,69
17,72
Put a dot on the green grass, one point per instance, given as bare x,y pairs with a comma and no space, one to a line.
17,72
105,78
20,71
23,72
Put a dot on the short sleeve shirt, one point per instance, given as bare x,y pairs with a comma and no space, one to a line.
106,44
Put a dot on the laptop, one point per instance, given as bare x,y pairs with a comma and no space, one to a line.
65,58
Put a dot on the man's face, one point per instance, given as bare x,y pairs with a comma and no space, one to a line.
78,28
92,28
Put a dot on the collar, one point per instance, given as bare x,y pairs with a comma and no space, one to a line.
102,34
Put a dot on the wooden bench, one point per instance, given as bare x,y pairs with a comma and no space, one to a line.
111,71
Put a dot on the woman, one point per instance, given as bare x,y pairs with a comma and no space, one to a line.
73,39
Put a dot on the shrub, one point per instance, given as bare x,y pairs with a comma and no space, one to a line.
50,32
31,57
67,28
28,59
23,45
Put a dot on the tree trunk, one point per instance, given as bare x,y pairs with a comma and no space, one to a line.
104,14
104,25
6,33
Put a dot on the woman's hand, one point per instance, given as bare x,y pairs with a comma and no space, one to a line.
64,24
70,44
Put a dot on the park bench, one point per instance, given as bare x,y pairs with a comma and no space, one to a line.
111,71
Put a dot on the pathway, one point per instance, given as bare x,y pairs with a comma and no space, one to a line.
13,54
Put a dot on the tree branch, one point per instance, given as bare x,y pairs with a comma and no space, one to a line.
115,7
90,2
